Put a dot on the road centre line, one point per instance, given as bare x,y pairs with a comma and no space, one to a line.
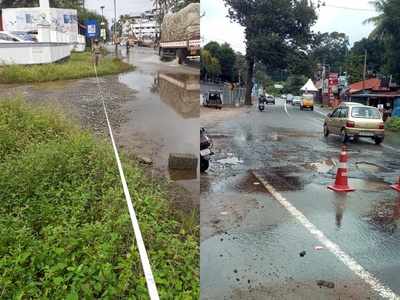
284,104
350,262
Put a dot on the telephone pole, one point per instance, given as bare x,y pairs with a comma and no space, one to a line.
115,28
365,70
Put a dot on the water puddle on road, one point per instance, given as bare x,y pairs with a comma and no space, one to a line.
369,167
385,215
230,161
287,178
179,91
367,185
179,175
321,167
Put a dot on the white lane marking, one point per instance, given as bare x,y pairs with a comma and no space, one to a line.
350,262
151,284
390,147
284,104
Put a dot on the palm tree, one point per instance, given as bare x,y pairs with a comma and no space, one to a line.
378,21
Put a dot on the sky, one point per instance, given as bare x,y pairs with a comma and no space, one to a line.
123,7
215,26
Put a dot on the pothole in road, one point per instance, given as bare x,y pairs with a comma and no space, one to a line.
369,167
249,184
367,185
287,178
385,215
230,161
320,167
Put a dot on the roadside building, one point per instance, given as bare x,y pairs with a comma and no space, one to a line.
376,92
64,21
143,26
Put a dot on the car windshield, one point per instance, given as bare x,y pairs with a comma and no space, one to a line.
214,96
365,113
23,36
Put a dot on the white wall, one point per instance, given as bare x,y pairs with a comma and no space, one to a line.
33,53
63,21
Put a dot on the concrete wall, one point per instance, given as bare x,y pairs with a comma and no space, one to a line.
33,53
63,21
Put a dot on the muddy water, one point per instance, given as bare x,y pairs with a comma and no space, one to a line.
165,118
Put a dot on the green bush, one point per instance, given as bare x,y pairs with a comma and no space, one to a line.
393,124
65,231
79,65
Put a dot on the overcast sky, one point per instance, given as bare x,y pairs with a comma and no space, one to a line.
216,26
123,7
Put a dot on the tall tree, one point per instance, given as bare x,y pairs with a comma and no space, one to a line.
210,66
379,31
273,30
391,24
18,3
226,57
331,48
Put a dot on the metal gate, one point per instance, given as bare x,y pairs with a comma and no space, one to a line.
234,97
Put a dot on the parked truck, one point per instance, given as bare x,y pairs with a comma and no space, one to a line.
180,34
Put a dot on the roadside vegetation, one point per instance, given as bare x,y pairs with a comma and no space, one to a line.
79,65
65,231
393,124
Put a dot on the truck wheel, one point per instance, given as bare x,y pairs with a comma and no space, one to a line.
161,53
180,53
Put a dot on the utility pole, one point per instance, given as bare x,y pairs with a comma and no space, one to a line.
115,28
102,31
365,69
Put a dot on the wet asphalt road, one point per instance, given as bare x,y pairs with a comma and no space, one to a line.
250,244
165,117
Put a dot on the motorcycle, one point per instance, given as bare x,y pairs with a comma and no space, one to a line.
261,103
205,150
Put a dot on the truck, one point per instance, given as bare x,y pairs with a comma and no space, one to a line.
180,34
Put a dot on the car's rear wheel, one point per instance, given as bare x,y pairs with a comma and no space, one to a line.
326,130
378,140
344,136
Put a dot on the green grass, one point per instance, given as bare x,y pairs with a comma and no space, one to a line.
393,124
65,231
79,65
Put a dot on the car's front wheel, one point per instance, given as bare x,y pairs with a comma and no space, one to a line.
326,130
378,140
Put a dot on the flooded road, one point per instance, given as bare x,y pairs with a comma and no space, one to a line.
165,117
255,248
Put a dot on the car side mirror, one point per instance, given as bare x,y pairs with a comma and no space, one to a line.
329,115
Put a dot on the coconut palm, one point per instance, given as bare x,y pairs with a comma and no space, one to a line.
378,21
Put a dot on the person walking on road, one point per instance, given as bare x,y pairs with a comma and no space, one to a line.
96,51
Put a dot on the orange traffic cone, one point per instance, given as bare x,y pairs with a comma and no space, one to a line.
396,186
341,182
